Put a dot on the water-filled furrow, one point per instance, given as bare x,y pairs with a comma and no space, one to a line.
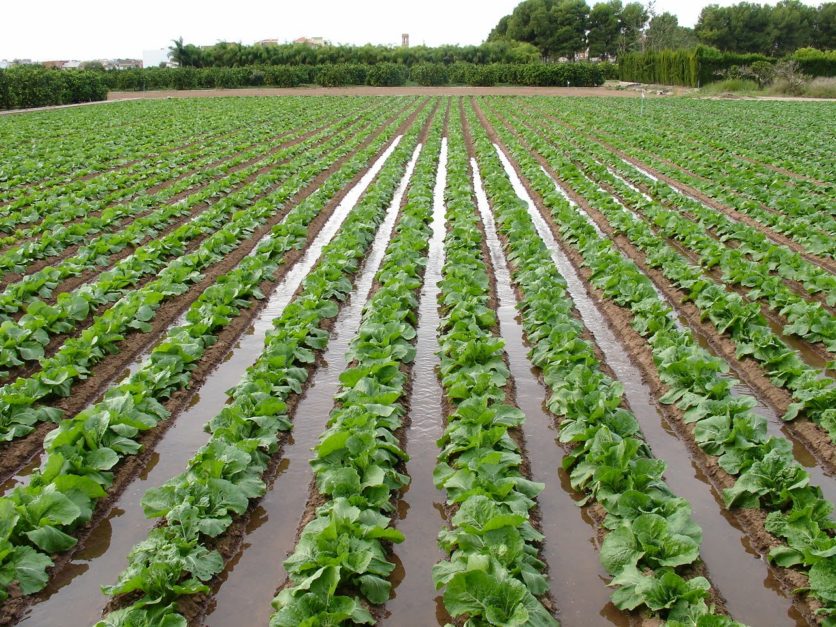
680,323
251,578
421,505
737,571
577,579
103,555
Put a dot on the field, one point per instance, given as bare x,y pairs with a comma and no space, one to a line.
416,360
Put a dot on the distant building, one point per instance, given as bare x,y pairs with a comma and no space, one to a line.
156,57
57,65
268,42
405,40
4,64
120,64
313,42
72,65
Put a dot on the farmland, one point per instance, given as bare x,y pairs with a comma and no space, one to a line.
416,360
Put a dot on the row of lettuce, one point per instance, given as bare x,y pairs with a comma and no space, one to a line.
493,574
798,209
340,562
739,317
85,202
763,468
651,537
247,431
235,218
82,451
26,336
36,161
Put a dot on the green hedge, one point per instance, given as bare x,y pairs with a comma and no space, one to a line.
342,74
693,68
28,86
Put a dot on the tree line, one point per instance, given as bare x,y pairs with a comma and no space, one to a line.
226,54
568,28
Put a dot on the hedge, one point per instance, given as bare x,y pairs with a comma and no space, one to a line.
27,86
699,66
342,74
36,87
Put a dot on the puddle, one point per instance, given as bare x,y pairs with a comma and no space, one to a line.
249,584
74,597
420,509
737,575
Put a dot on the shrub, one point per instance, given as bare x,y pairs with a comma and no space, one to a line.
429,74
387,75
23,87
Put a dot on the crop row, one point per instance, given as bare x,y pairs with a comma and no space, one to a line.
18,410
814,237
493,575
650,532
97,253
26,339
84,449
739,186
55,240
127,135
724,426
342,551
746,137
751,243
813,392
221,479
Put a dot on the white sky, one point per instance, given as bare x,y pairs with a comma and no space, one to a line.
87,29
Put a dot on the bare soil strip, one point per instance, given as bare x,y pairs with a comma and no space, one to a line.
750,522
120,523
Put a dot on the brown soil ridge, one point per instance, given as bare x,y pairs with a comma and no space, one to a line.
750,521
12,610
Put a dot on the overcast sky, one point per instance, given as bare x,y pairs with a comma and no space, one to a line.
86,29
